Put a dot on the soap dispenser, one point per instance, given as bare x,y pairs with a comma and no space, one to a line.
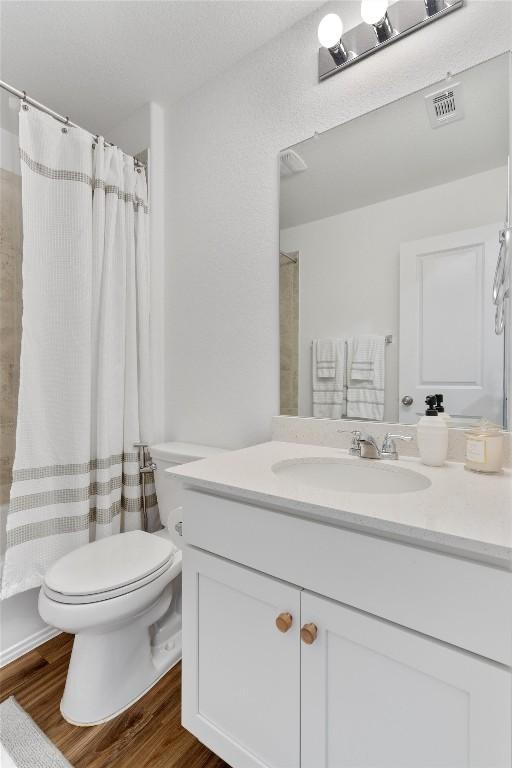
432,435
441,410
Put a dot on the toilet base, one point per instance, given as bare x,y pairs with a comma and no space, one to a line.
130,703
110,670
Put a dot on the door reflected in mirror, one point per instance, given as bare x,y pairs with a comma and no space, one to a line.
389,240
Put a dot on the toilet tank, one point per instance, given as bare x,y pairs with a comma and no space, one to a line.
168,488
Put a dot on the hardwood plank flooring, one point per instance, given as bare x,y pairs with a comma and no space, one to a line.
148,735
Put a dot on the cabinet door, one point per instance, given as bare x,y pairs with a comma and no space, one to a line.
378,696
241,675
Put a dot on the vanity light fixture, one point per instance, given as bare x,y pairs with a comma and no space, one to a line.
382,25
433,6
330,31
375,13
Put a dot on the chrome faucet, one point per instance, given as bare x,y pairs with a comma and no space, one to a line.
368,448
364,445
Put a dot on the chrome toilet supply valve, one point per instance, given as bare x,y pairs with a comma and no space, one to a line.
146,465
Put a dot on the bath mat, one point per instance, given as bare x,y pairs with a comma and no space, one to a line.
22,743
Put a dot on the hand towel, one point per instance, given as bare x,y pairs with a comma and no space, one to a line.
365,397
329,395
326,358
363,357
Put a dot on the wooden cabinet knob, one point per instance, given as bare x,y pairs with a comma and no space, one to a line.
284,622
308,633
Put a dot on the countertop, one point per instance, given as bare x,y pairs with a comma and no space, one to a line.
462,512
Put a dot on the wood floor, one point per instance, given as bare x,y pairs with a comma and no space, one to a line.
148,735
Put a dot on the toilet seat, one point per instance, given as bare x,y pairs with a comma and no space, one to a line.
109,567
98,597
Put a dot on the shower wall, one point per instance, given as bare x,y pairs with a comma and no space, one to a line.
289,334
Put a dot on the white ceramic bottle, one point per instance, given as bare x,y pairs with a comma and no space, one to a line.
432,435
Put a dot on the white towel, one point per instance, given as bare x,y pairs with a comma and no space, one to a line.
364,351
326,358
329,396
365,397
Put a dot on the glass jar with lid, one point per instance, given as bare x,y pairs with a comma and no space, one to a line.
484,447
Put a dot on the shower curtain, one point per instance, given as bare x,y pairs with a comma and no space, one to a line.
85,390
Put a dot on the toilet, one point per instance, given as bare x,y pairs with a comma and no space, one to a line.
121,598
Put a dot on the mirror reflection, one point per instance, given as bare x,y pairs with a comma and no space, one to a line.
389,240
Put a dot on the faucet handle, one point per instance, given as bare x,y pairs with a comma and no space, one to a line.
355,445
349,431
388,446
389,436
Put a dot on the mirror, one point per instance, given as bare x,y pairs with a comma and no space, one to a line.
389,240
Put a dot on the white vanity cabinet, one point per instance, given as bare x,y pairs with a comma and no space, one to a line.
374,695
410,687
241,675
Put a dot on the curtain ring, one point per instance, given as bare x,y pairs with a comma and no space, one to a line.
65,127
24,104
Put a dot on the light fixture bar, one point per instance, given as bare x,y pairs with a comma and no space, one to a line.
402,18
338,53
384,29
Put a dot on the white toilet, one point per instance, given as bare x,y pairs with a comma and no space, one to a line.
121,598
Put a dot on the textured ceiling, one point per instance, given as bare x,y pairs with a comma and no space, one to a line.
394,150
99,61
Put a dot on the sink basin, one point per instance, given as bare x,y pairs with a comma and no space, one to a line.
351,475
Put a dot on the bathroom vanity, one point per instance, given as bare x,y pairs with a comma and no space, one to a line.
334,628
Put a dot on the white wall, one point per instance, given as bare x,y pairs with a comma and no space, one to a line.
349,264
132,134
222,278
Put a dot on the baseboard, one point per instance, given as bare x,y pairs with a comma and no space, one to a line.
27,644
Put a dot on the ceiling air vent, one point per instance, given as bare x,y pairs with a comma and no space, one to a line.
290,163
445,106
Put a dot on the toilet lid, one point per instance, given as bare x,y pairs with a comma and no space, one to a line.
109,563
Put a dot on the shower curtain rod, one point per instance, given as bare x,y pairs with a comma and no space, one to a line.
22,95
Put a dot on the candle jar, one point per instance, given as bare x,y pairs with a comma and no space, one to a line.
484,447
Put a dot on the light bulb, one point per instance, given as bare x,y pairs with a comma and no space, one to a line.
373,11
330,30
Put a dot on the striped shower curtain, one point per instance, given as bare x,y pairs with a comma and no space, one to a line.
85,394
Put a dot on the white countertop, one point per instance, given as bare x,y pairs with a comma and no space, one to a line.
465,513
